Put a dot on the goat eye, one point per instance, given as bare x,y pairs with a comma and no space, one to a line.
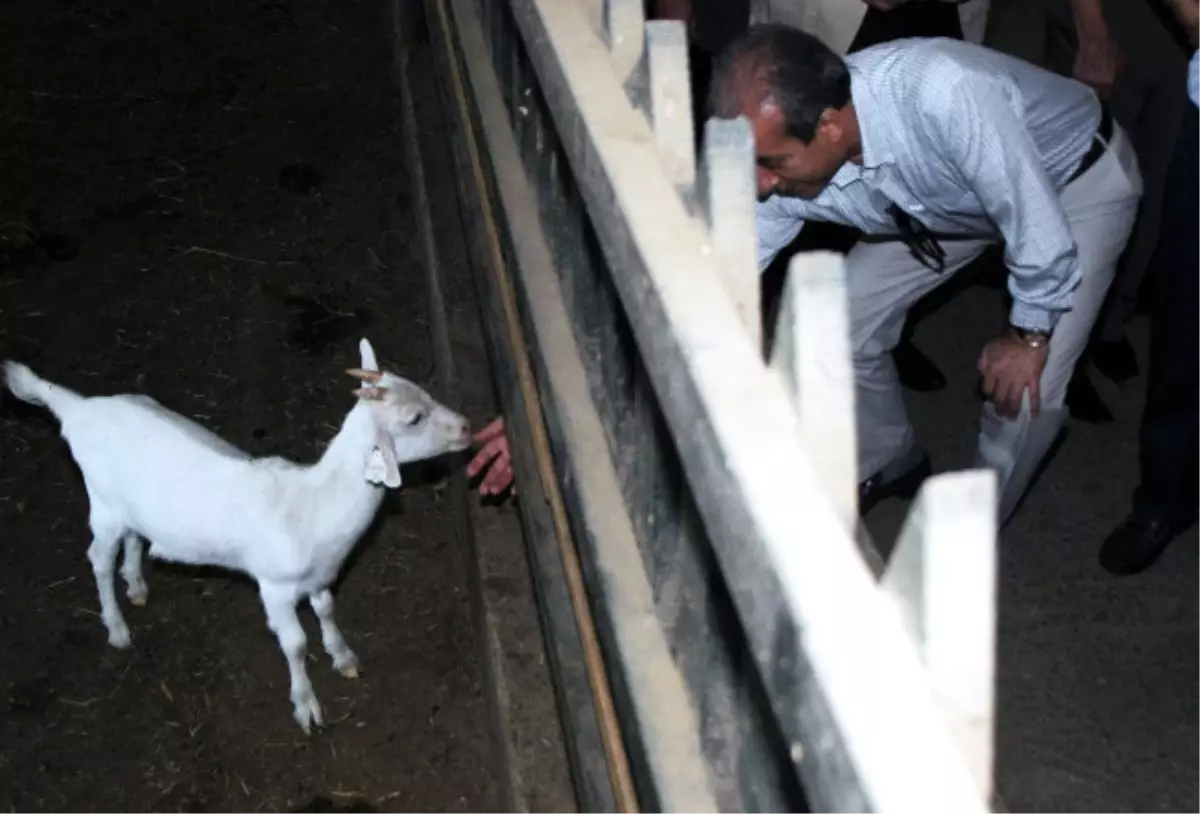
417,418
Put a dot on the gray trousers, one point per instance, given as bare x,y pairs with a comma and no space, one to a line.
1147,101
883,281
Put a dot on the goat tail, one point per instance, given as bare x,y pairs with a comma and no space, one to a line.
28,386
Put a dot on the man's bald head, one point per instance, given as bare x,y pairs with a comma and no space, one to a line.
796,94
779,65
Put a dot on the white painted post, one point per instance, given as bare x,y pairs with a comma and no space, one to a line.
593,10
812,353
942,577
670,100
624,23
760,11
729,200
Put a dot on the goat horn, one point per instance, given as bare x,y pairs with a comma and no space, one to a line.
372,376
372,393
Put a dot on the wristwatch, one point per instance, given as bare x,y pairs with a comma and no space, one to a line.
1034,339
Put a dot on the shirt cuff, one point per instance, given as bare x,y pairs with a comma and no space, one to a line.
1032,317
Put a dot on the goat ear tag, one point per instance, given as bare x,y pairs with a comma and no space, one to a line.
382,469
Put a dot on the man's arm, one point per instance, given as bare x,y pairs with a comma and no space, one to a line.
977,130
1187,12
778,221
672,10
1098,60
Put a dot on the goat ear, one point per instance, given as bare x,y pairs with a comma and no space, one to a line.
382,466
373,393
368,355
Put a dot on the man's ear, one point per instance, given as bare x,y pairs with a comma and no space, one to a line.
382,466
830,126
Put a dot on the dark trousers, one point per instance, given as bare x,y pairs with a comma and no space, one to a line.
1170,431
909,20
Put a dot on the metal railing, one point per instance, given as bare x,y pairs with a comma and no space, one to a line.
720,641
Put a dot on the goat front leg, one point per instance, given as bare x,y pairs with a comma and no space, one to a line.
279,601
344,660
131,570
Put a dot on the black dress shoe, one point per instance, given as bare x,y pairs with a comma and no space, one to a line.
1134,545
1084,401
1116,360
883,484
916,370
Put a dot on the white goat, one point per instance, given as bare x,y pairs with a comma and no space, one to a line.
152,473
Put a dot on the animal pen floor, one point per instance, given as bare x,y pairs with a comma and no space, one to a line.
223,210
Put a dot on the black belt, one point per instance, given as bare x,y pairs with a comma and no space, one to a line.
924,245
1099,143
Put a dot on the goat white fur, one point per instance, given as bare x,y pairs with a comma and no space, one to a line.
151,473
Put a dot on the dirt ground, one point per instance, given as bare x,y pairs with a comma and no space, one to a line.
206,202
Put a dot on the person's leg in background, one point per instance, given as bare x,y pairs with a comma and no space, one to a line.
1166,501
1147,100
1101,206
1150,94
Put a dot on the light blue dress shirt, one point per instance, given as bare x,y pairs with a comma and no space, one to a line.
972,143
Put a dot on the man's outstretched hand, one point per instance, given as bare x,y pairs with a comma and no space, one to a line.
493,453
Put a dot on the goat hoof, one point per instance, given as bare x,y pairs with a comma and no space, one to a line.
120,638
138,599
346,663
307,713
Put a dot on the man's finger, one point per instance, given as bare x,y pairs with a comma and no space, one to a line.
488,433
490,450
999,398
989,385
477,464
497,446
499,476
1035,397
497,480
1004,399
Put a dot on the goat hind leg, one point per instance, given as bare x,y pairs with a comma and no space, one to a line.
131,570
103,555
344,660
279,601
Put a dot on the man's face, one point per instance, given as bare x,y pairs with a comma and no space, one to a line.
788,166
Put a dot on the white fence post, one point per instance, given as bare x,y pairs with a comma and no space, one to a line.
670,100
812,353
624,24
729,200
942,576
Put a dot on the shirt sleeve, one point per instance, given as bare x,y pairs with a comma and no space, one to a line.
778,221
1193,83
984,139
